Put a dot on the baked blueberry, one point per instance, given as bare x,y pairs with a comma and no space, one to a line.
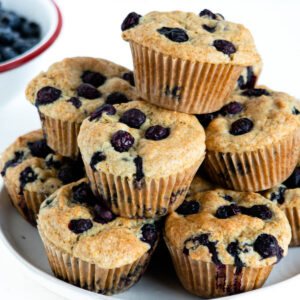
26,176
209,29
133,118
224,46
157,133
75,101
94,78
295,111
208,13
39,148
231,109
82,193
250,82
51,162
279,195
18,158
88,91
130,21
178,35
139,175
105,108
149,234
234,250
241,126
227,211
188,208
96,158
227,197
72,172
116,98
129,77
80,225
47,95
258,211
122,141
294,180
266,245
205,119
255,92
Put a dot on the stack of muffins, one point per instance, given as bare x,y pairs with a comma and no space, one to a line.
119,151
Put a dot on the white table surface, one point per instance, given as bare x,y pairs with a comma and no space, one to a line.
92,28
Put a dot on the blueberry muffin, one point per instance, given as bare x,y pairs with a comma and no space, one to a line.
253,141
187,62
225,242
32,171
140,158
88,246
71,90
287,197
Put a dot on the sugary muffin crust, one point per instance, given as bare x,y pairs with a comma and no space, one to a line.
73,88
139,140
206,37
228,227
30,164
251,120
73,220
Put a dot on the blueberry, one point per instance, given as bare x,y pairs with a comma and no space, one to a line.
294,180
129,77
105,108
30,29
227,211
157,133
279,195
94,78
8,53
116,98
88,91
231,109
266,245
80,225
139,175
47,95
130,21
26,176
75,101
258,211
39,148
234,250
255,92
241,126
251,80
226,197
72,172
102,214
207,13
133,118
209,29
224,46
22,45
188,208
149,234
96,158
82,193
295,111
18,158
52,162
178,35
205,119
122,141
7,36
10,19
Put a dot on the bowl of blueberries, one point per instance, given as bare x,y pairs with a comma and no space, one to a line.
27,29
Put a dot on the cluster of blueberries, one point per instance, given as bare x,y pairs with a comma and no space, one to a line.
17,34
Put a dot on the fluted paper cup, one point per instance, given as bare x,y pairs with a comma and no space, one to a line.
293,216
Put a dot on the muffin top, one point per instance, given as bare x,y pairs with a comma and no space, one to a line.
206,37
137,139
200,184
250,120
228,227
73,88
74,220
31,165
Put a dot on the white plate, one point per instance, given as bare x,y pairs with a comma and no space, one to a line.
159,282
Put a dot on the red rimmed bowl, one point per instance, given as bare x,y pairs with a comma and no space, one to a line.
15,73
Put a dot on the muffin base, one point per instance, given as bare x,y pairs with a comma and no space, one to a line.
293,216
61,136
254,170
91,277
144,199
27,204
182,85
209,280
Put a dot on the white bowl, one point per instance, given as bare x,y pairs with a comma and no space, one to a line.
15,73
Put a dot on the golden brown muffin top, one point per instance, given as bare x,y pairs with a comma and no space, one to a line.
74,220
207,38
228,227
137,139
74,87
253,119
31,165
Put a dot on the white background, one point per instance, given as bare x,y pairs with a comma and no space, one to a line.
92,28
